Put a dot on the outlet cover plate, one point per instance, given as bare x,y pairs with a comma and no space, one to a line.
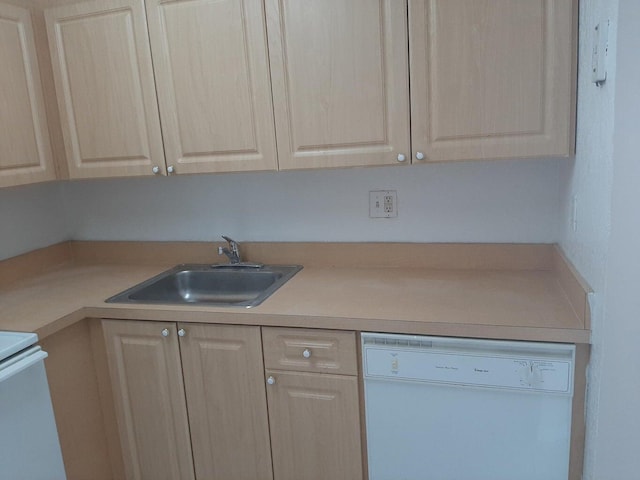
383,204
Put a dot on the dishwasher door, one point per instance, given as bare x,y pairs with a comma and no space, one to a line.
462,409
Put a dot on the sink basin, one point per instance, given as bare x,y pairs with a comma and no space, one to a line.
230,285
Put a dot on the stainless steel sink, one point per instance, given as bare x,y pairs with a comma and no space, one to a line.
229,285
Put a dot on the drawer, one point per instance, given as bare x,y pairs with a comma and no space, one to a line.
305,350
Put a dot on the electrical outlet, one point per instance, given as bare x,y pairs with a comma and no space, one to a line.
383,204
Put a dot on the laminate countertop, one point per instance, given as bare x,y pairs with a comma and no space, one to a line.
539,304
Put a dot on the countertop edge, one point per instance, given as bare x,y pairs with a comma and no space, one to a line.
498,332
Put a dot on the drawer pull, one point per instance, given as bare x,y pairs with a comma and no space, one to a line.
306,353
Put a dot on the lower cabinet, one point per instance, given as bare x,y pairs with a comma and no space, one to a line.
314,412
146,377
194,401
315,426
225,433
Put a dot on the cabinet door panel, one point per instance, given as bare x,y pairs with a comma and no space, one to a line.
149,399
492,78
210,59
315,426
25,150
105,87
340,81
223,374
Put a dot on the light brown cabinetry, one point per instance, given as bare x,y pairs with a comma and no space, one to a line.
314,418
488,79
191,403
144,363
304,350
492,78
213,86
223,376
225,433
340,82
25,150
105,88
315,426
211,64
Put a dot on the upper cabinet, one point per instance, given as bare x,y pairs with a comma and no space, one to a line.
211,64
340,82
105,88
238,85
492,78
25,150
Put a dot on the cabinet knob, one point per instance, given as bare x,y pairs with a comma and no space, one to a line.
171,169
165,332
182,332
306,353
155,169
419,155
271,380
401,157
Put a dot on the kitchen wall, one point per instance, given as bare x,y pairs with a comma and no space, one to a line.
31,217
587,179
608,254
502,201
618,441
587,182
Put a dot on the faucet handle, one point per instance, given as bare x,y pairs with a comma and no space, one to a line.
232,243
233,252
228,239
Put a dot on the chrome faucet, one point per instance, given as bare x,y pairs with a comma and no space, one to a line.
232,253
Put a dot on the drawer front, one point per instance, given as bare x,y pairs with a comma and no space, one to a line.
304,350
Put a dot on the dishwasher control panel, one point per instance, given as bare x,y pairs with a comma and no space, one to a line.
470,368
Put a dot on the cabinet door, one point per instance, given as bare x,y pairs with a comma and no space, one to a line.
492,78
105,88
212,73
340,81
149,399
223,374
315,426
25,151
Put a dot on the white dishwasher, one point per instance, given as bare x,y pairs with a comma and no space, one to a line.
463,409
29,445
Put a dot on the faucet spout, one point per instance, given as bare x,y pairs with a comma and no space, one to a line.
232,252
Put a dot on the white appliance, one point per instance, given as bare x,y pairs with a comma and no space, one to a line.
463,409
29,445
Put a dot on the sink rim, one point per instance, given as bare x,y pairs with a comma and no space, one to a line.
286,273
